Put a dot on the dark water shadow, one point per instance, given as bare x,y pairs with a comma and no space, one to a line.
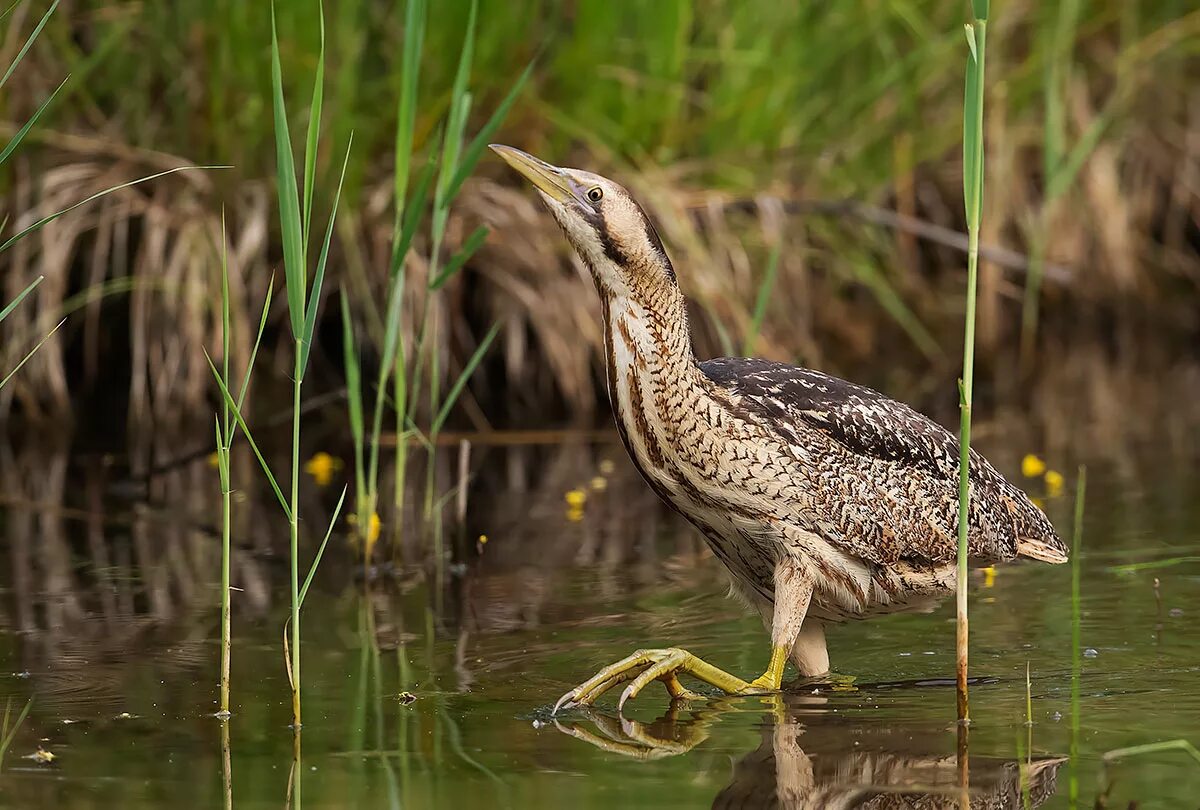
810,759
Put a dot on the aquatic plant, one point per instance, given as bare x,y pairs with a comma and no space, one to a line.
7,152
10,726
303,301
445,175
765,288
226,430
1076,630
4,313
295,213
973,197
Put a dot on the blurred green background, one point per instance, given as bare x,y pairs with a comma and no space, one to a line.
831,131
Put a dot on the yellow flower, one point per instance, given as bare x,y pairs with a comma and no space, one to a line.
42,756
1054,483
483,539
214,460
576,498
989,576
374,526
599,483
574,514
1032,466
321,467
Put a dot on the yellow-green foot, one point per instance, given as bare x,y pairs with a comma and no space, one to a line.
643,668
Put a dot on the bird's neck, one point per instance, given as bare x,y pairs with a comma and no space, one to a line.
647,335
654,385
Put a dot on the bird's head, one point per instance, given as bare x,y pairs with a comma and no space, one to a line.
605,225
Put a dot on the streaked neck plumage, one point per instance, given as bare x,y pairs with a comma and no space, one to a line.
645,325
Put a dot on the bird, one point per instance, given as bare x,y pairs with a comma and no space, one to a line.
826,501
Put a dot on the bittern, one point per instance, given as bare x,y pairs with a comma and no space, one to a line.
826,500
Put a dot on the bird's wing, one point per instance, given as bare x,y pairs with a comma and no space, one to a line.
911,448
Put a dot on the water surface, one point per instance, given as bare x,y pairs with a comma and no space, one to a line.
420,697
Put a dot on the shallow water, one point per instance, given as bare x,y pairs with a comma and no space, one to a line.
109,624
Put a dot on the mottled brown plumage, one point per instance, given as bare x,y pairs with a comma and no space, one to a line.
829,492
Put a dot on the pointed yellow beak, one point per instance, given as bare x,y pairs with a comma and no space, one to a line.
550,180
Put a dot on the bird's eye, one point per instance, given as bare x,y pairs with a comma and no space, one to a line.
595,194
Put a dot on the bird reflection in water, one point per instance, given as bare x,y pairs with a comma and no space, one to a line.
811,760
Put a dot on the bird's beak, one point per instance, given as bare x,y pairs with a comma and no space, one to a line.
550,180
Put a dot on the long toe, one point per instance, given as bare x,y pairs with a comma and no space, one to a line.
665,667
566,701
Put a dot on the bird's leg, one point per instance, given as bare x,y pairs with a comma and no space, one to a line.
793,592
809,652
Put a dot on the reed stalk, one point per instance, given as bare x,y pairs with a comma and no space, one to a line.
765,288
294,538
4,313
973,199
226,768
303,303
406,115
1076,632
223,438
226,430
444,175
10,727
1055,164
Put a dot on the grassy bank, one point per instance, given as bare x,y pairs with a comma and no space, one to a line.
742,126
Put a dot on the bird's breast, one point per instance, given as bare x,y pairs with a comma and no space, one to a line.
684,442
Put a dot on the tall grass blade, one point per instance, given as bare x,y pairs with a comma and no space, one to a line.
237,414
474,150
51,217
312,141
314,302
4,313
10,732
289,204
760,303
262,325
4,14
31,353
973,201
1153,748
406,111
460,383
412,217
354,398
455,263
460,105
226,331
312,571
11,146
28,43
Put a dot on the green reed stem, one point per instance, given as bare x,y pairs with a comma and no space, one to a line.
8,732
973,199
294,524
226,632
1076,631
223,440
1153,748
